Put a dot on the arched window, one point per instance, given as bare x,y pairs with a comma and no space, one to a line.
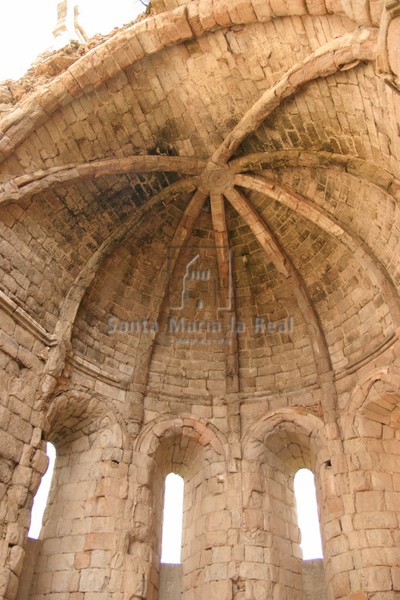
307,512
172,520
40,501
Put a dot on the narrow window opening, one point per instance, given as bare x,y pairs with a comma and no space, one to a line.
307,512
171,542
40,501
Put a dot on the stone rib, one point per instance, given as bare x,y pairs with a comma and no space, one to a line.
325,61
365,256
221,237
131,45
27,185
180,239
271,245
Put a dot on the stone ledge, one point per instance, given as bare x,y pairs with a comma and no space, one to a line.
26,321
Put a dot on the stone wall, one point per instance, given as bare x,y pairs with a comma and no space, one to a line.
219,164
170,582
314,580
25,582
314,586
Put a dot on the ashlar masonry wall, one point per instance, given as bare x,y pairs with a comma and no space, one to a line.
102,532
265,127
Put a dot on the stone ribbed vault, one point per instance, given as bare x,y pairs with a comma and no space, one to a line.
200,272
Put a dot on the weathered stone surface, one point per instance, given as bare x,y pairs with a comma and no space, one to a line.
199,267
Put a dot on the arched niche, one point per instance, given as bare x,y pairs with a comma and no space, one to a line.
195,450
86,501
274,449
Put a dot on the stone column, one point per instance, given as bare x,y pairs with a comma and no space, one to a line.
360,499
23,460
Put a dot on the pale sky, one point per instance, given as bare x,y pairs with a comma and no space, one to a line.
26,27
307,514
172,520
39,503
